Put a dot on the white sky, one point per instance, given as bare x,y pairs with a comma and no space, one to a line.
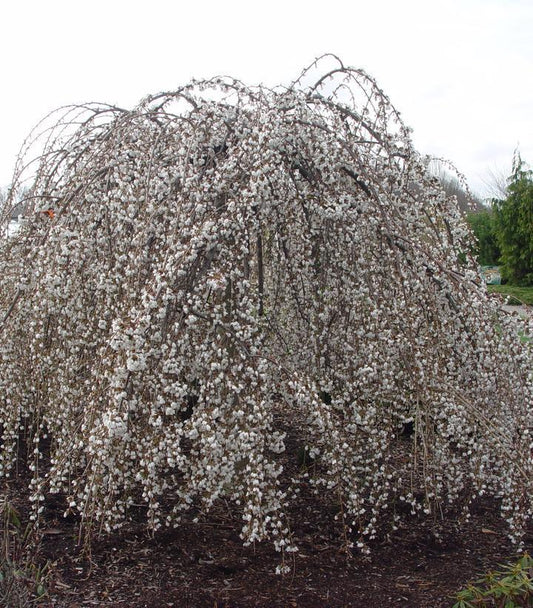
459,71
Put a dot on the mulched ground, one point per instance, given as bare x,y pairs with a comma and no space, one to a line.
205,565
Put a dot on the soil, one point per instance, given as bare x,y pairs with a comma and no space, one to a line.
206,565
422,564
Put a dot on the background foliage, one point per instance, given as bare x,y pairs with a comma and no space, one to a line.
514,226
504,232
483,226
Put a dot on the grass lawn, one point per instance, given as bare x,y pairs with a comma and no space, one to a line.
517,295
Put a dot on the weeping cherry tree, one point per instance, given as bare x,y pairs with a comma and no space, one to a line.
224,266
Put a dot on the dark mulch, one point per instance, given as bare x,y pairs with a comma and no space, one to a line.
206,565
421,564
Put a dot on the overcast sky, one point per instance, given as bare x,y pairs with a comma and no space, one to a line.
459,71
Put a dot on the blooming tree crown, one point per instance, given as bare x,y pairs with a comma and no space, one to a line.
226,267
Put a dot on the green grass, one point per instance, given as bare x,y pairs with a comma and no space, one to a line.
517,295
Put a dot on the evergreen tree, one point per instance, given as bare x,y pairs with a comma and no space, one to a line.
514,226
483,227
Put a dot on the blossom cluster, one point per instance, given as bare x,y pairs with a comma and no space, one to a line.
222,258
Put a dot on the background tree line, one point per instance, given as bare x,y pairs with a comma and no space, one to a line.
505,229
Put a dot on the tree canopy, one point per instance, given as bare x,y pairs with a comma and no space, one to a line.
224,268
